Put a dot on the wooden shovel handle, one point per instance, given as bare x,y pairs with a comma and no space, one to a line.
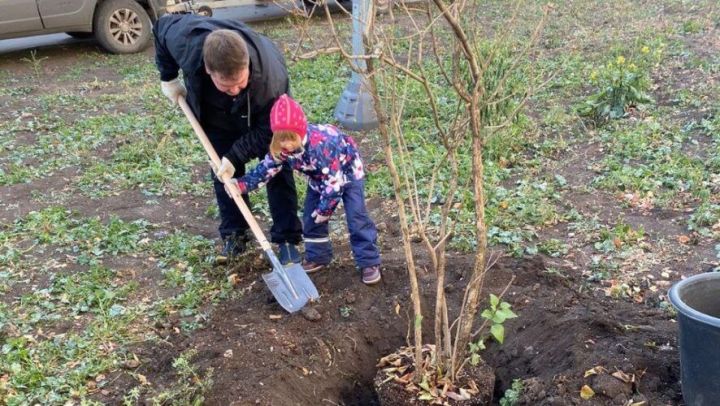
230,186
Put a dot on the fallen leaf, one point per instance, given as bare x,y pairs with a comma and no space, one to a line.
397,309
474,389
586,392
233,279
132,363
405,379
456,396
683,239
228,353
594,371
426,396
623,376
142,379
617,242
306,372
385,361
390,371
411,387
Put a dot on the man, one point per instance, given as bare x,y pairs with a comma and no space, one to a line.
233,76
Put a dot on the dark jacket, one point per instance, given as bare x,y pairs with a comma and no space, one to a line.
178,45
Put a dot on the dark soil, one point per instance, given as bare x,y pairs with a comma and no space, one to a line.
261,355
482,376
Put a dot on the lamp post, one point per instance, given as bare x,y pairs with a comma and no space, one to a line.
354,110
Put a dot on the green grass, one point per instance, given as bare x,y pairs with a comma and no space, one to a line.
102,304
650,157
317,84
160,164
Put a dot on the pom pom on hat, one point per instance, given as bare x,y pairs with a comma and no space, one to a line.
287,115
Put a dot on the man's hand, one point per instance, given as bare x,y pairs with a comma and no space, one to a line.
225,171
173,89
319,218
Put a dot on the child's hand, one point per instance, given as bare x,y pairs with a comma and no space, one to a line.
319,218
240,184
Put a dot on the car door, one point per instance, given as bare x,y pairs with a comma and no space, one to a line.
19,16
59,14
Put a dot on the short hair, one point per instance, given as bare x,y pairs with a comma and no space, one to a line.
225,52
280,136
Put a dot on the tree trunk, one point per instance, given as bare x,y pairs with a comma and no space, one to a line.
371,80
475,281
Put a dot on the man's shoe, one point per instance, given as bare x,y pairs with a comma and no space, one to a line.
289,254
233,247
311,267
371,275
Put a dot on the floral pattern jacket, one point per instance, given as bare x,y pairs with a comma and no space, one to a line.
329,159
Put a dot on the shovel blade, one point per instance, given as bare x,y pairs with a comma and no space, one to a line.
291,298
301,281
282,294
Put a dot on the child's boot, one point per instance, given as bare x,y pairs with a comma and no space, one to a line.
289,254
371,275
310,266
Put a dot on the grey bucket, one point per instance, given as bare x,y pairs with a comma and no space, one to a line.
697,300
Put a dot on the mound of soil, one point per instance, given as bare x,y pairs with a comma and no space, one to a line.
562,333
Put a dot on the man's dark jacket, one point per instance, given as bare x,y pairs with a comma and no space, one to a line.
178,45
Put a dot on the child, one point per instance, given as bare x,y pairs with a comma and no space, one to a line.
332,164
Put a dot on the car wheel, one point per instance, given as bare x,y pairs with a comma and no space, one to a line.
122,26
80,35
205,11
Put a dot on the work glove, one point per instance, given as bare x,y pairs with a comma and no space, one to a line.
225,171
319,218
173,89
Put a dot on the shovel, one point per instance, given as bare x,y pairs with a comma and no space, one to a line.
291,286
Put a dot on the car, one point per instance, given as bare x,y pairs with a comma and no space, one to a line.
120,26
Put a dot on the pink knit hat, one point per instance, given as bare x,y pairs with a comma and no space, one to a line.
287,115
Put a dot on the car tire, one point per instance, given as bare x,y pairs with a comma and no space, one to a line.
80,35
122,26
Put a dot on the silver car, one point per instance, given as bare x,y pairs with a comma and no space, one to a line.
120,26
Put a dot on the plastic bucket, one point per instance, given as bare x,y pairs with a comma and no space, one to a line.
697,300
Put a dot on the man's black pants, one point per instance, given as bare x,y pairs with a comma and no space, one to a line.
282,199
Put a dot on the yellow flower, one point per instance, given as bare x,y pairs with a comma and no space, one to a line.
632,66
620,60
645,50
593,75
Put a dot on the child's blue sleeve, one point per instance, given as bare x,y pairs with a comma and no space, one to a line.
262,173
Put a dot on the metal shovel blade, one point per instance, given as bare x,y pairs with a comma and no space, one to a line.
301,281
291,287
282,294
